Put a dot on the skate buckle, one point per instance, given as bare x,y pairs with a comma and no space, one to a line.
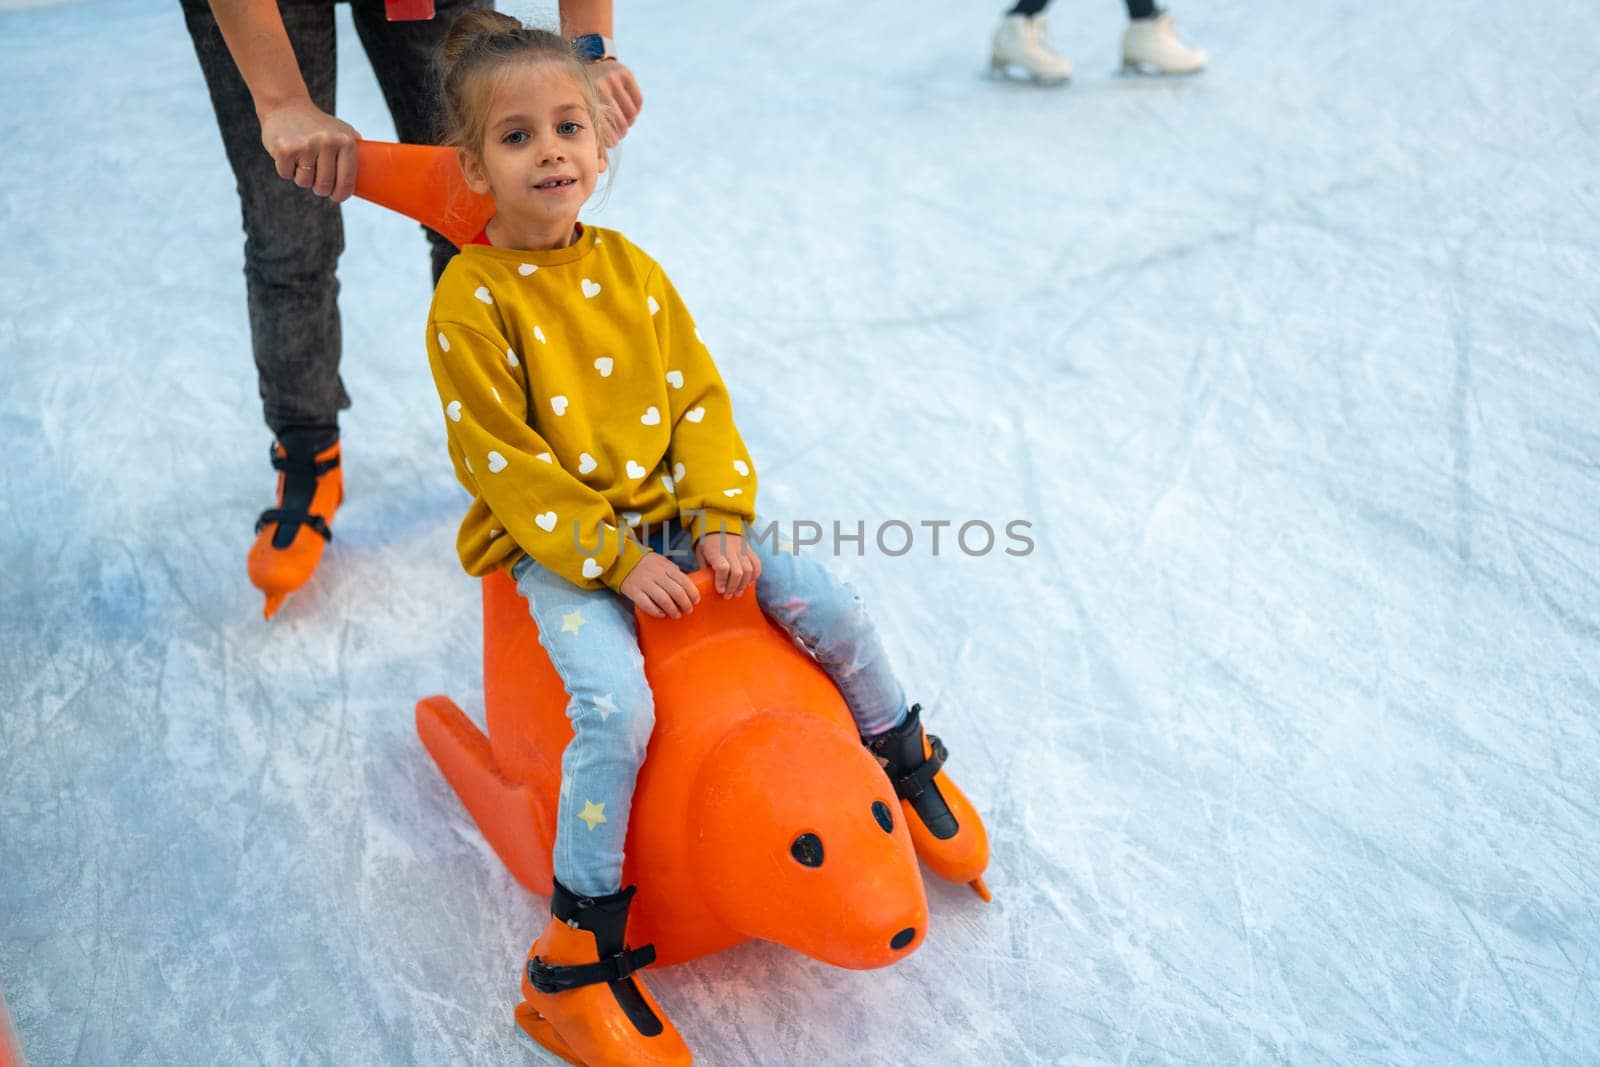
551,978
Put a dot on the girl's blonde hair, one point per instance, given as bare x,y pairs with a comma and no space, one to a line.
480,46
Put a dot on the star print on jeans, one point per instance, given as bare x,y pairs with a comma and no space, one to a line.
592,813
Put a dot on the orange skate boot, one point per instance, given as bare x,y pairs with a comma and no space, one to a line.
945,828
581,1000
290,536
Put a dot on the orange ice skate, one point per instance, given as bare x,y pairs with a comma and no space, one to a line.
580,997
945,828
291,535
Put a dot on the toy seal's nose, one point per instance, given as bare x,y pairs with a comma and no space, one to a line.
903,938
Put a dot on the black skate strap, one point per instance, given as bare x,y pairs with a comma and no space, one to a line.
913,783
307,465
300,477
284,516
558,978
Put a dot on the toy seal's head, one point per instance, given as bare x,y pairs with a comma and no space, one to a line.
800,842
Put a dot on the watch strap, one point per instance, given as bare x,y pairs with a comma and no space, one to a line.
592,47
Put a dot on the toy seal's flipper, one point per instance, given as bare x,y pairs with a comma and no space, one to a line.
507,812
422,182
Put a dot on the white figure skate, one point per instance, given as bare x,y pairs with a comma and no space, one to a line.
1152,46
1020,47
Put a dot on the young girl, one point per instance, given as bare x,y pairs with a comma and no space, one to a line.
580,404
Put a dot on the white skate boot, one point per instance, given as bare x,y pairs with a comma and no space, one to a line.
1152,46
1019,45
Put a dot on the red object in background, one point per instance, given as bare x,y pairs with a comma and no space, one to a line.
10,1048
408,10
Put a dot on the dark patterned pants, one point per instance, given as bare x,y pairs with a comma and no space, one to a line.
292,236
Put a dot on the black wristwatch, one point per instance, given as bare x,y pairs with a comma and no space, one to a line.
592,47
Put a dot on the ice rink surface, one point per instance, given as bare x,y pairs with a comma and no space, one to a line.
1287,733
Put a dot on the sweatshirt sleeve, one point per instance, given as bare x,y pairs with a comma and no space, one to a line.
543,507
714,478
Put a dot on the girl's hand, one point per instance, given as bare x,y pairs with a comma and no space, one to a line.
659,588
734,565
312,148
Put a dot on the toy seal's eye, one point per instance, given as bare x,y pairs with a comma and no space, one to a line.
880,811
807,848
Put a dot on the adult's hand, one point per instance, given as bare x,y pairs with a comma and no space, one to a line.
308,146
618,89
312,148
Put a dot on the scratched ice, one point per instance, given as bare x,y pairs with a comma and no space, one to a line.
1288,732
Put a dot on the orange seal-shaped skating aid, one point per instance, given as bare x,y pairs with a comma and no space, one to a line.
757,812
422,182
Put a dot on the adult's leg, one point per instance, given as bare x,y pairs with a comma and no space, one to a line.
292,236
1143,9
593,644
403,57
1028,7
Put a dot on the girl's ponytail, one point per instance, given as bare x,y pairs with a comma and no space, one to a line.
471,30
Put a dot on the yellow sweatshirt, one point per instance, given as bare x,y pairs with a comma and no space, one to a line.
578,398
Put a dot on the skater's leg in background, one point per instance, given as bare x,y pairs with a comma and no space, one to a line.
593,644
1151,43
292,236
1020,45
402,57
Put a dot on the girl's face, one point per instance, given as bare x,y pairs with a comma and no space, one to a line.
541,156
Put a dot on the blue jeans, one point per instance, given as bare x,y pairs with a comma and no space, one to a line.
593,643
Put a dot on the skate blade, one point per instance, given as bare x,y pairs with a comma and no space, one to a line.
536,1034
1149,70
1001,71
982,890
274,602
